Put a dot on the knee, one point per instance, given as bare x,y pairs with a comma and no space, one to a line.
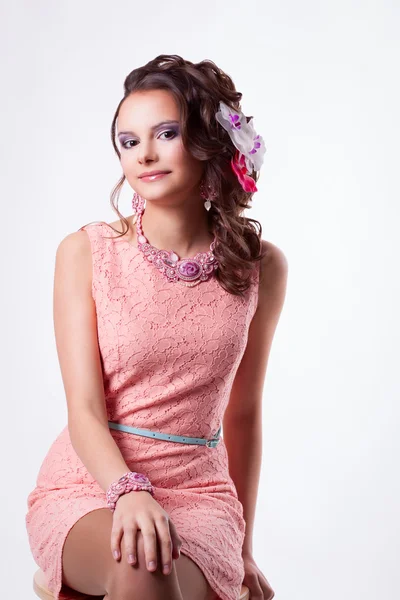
124,574
141,562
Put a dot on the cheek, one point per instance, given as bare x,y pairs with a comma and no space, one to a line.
126,163
180,161
129,170
175,155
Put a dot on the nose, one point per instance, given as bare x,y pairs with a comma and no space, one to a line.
146,153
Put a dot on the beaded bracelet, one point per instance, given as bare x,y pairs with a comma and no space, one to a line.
129,482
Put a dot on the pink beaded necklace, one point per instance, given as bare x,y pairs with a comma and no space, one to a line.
186,271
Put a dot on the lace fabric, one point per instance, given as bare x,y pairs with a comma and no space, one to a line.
169,356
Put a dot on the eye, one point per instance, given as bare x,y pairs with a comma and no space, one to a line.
170,131
124,145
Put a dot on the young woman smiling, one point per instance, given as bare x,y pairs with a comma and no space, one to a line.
164,322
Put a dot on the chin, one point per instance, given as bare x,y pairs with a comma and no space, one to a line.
158,192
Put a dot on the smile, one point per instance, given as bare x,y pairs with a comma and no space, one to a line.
153,177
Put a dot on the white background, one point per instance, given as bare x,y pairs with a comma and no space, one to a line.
322,82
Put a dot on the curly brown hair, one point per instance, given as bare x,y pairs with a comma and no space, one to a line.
198,88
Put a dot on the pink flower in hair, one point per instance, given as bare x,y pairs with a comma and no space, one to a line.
238,164
250,145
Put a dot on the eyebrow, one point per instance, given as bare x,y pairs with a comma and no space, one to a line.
168,122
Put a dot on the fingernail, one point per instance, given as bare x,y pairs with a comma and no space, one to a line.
115,553
166,568
131,558
152,564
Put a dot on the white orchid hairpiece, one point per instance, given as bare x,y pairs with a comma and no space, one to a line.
250,146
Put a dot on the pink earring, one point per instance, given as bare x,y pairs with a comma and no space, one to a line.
208,193
138,204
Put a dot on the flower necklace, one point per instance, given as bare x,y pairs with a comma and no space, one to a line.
186,271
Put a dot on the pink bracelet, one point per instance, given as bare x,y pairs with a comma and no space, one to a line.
129,482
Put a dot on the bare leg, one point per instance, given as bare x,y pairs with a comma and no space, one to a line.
193,584
89,567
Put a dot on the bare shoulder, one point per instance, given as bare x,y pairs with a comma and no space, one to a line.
274,262
273,277
73,263
75,244
274,265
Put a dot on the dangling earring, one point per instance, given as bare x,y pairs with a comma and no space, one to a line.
208,194
138,204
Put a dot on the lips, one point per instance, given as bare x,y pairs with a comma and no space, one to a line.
151,178
151,173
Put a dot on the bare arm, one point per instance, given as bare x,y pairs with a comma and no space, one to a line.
75,325
242,425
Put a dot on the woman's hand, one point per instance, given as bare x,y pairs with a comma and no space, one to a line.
256,582
137,510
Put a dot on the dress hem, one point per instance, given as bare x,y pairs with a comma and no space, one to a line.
72,594
208,575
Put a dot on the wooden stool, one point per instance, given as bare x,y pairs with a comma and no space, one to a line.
40,589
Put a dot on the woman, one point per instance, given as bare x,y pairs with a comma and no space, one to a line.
163,333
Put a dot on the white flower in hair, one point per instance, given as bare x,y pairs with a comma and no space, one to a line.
243,135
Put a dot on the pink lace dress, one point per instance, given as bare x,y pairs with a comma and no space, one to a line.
169,357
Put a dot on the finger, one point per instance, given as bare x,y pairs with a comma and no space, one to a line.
164,537
256,589
268,592
176,541
265,586
150,545
116,535
130,544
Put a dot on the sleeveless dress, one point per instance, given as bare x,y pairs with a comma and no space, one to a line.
169,356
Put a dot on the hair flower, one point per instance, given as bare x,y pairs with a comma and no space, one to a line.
250,145
239,168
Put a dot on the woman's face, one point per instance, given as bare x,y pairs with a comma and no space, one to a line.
147,144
